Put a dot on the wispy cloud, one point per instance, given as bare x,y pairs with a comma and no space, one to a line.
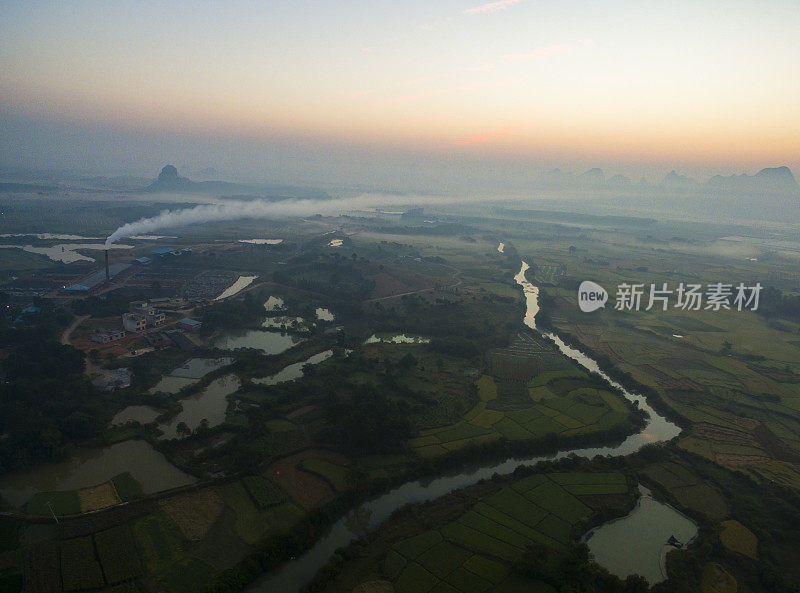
541,53
482,137
490,7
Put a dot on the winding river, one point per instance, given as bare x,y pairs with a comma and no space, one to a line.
295,574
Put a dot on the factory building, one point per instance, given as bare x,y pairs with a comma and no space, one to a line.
190,324
96,278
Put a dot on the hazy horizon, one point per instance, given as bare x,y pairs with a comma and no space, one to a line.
413,96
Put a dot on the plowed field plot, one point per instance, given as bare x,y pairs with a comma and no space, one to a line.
193,512
116,549
688,488
79,569
511,395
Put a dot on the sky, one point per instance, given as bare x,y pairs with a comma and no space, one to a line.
379,92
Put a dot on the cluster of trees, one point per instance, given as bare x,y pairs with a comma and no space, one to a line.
46,402
368,422
458,347
338,277
510,258
571,571
113,303
461,329
232,313
773,303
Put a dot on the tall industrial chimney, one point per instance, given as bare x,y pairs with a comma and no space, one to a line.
108,273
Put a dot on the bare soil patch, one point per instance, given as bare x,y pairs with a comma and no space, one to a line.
307,489
97,497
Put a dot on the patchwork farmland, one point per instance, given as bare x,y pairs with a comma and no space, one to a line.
475,550
532,392
177,543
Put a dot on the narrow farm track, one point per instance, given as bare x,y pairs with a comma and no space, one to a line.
455,276
66,335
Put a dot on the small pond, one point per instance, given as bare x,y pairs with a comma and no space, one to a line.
188,374
294,371
197,368
171,385
285,321
324,314
209,403
396,339
140,414
273,303
262,241
637,543
268,342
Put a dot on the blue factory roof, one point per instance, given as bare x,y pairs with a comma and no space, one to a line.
164,250
97,277
190,322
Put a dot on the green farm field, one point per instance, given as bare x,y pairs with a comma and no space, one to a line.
733,375
541,409
476,542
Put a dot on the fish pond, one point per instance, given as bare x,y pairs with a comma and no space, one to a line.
637,543
210,403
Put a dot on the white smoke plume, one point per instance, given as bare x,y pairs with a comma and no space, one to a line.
239,210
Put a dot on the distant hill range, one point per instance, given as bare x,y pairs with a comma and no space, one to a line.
32,181
773,180
169,181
